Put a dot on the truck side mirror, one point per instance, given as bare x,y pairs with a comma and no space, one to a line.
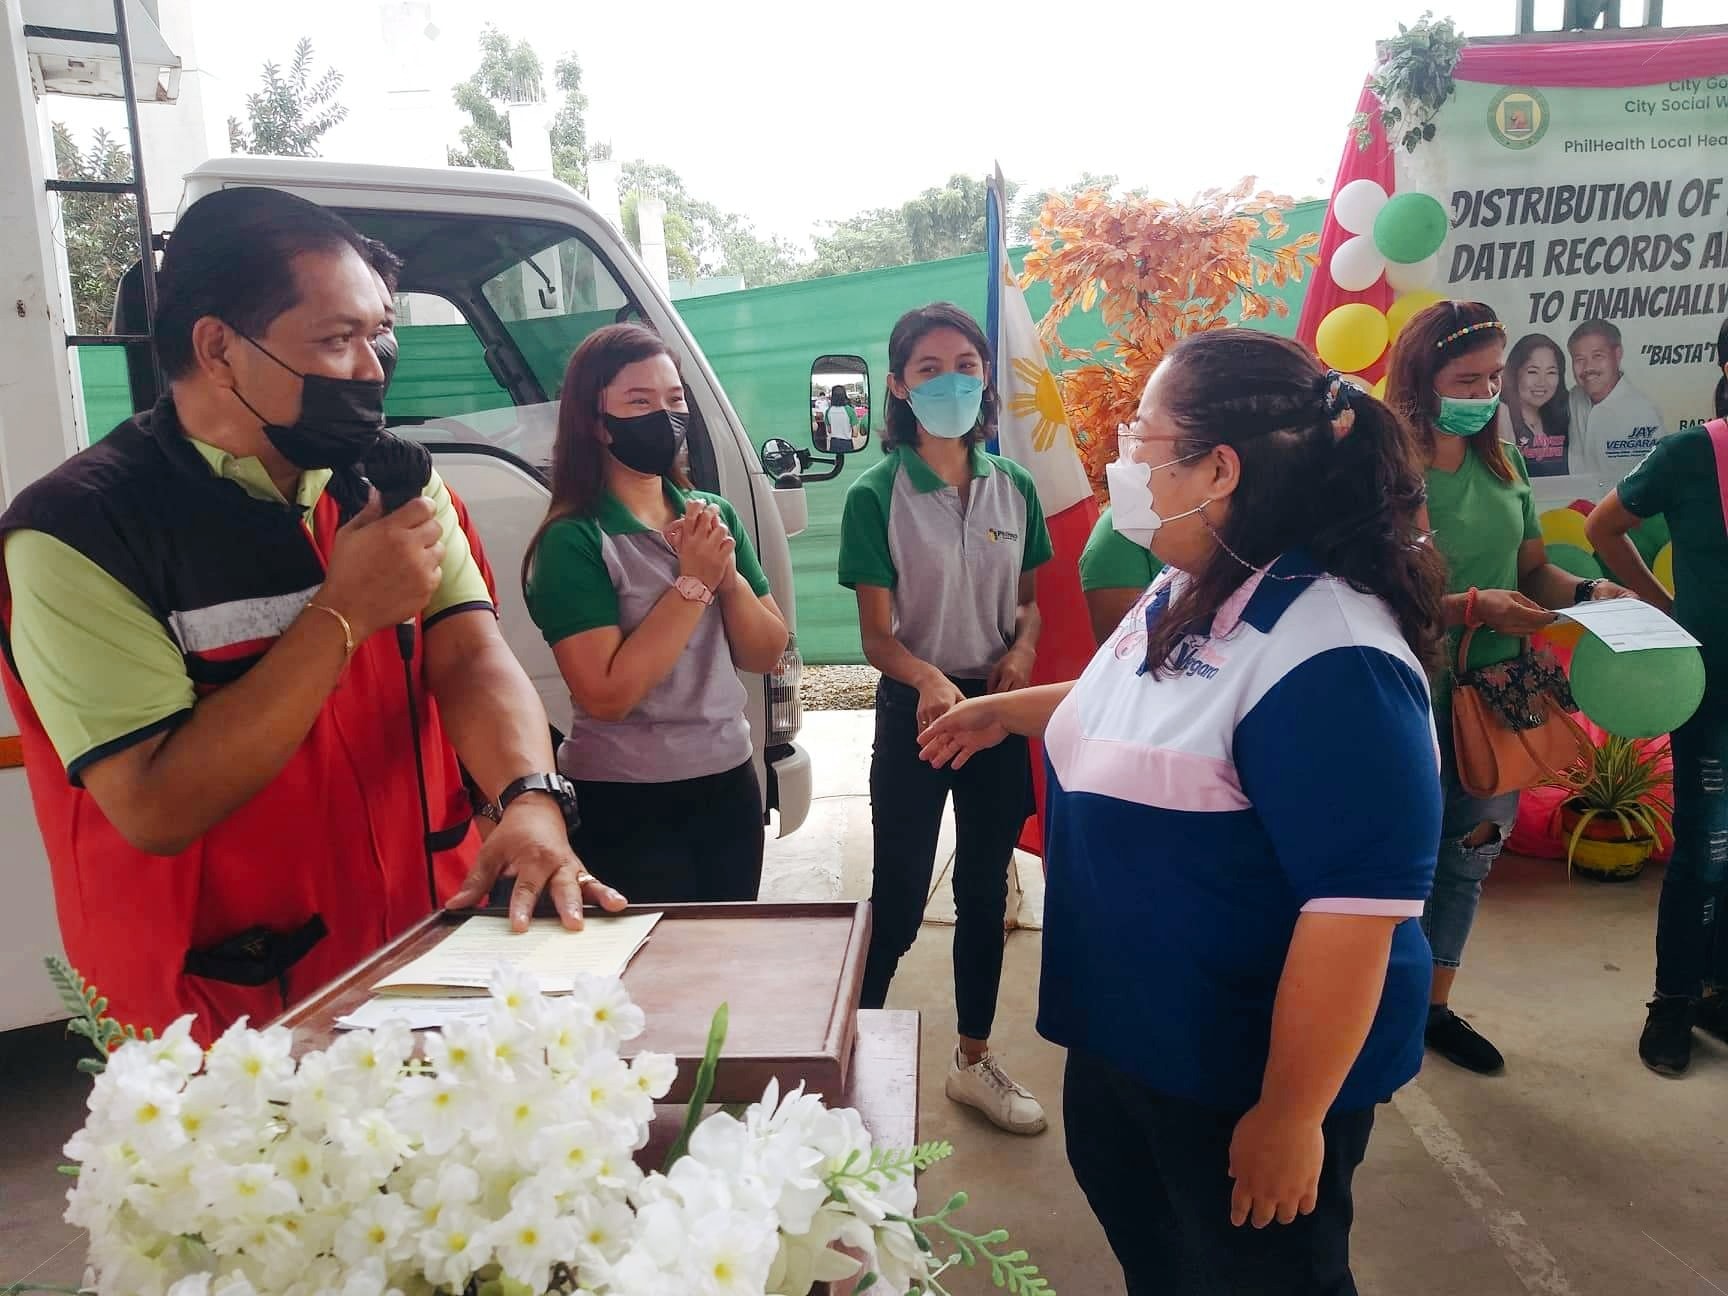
839,404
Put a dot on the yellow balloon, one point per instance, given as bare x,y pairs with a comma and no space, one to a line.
1380,390
1663,568
1408,306
1352,337
1565,526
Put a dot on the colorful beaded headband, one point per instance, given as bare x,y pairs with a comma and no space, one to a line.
1465,332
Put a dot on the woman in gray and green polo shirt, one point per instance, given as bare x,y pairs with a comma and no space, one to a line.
1114,573
939,542
652,601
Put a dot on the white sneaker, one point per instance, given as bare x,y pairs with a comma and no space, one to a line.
985,1086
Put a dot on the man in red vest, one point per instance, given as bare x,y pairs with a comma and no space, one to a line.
222,737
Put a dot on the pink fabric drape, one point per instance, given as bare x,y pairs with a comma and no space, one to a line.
1584,63
1323,295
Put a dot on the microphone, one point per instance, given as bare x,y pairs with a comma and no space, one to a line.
399,469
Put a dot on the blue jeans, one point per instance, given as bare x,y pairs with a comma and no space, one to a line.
1459,869
1691,945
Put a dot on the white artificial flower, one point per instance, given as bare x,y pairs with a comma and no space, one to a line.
531,1238
374,1147
197,1284
174,1049
320,1092
368,1278
252,1068
607,1005
269,1245
141,1107
233,1284
455,1246
378,1228
516,994
371,1060
653,1073
438,1110
244,1194
729,1253
300,1163
520,1114
806,1260
604,1230
460,1051
452,1187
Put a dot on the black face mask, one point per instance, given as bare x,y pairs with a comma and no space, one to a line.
648,443
385,347
340,419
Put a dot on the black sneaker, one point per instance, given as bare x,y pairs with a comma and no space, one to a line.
1713,1015
1666,1044
1456,1040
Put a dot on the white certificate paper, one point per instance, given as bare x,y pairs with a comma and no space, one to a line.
1629,625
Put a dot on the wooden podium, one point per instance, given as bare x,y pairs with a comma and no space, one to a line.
790,975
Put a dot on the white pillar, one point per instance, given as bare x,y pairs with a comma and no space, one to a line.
174,137
423,119
531,139
603,191
651,223
37,427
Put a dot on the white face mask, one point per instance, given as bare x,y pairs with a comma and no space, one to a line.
1132,510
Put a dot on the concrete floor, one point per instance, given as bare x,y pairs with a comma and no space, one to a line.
1576,1173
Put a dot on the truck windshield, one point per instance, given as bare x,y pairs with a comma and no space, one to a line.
488,311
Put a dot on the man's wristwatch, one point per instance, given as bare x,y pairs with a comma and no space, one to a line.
556,786
1586,591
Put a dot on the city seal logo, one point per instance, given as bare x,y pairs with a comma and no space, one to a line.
1518,117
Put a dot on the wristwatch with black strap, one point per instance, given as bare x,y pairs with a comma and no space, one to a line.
556,786
1586,590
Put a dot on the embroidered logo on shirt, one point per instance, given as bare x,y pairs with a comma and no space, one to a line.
1002,537
1196,658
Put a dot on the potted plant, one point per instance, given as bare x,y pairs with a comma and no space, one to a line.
1617,807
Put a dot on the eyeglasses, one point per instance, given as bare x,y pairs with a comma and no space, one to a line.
1127,440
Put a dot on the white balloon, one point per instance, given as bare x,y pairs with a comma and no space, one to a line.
1357,204
1414,276
1357,264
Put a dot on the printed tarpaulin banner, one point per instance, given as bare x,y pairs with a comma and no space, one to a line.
1594,219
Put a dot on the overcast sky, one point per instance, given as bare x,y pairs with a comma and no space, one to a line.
794,113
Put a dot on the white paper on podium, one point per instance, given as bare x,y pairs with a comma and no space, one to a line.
1629,625
462,963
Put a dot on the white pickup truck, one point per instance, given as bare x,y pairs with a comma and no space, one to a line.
518,270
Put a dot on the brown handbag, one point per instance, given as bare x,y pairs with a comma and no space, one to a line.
1494,756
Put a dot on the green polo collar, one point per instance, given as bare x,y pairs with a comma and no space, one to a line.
924,478
615,519
251,476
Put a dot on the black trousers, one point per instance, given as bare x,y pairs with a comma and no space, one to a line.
691,840
1156,1172
992,797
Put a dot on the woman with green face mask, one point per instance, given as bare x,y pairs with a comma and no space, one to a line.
1445,377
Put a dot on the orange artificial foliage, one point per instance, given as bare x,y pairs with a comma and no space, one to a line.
1157,271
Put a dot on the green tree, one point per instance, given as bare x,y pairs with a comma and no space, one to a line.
868,241
570,126
509,71
699,234
948,221
291,113
943,221
101,230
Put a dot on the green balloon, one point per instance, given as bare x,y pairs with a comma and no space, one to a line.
1637,694
1410,228
1570,558
1649,538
